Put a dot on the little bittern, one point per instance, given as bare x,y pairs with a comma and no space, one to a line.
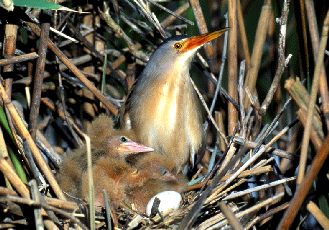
163,108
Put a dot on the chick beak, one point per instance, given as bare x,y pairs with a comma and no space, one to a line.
197,41
169,176
133,147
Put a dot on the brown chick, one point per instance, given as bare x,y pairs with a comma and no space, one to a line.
115,176
141,194
105,142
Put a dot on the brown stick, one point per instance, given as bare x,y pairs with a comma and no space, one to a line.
256,55
232,64
9,45
18,59
23,132
243,35
76,71
314,33
311,104
38,80
304,186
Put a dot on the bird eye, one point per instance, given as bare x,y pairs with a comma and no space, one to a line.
123,139
177,45
163,171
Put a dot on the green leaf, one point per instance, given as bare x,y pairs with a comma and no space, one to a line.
40,4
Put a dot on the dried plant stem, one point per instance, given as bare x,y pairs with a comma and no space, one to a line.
9,45
268,214
252,145
165,23
258,188
202,26
243,35
91,197
210,224
76,71
314,33
304,186
51,201
232,64
38,80
318,215
120,33
30,202
314,92
256,55
35,151
231,218
247,164
246,173
13,178
316,133
282,62
207,110
18,59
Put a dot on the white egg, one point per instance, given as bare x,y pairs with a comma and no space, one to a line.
168,200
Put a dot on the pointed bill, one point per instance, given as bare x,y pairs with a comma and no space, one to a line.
197,41
133,147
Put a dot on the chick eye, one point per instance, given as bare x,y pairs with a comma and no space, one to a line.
123,139
163,171
177,45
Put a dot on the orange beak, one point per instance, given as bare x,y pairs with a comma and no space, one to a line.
197,41
133,147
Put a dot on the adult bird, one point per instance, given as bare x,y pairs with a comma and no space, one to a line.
163,108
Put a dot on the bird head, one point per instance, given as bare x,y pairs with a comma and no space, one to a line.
116,143
177,52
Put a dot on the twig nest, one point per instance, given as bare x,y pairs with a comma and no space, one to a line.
163,202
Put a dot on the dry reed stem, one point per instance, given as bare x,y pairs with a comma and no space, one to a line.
246,173
61,204
282,62
258,188
311,105
18,59
247,164
216,225
9,45
229,215
318,215
75,71
121,34
314,33
30,202
37,210
13,178
300,95
232,64
274,151
269,213
38,80
304,187
35,151
243,35
315,133
61,114
256,55
202,26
